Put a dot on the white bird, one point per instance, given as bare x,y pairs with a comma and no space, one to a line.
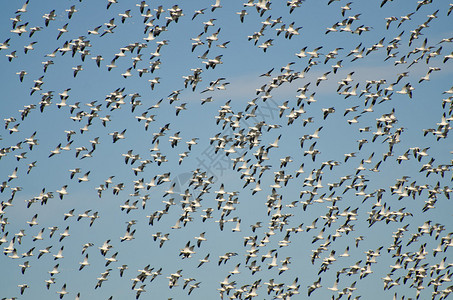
216,5
33,221
84,263
95,31
125,15
62,191
127,73
62,30
39,235
85,177
63,291
77,69
71,11
22,75
23,9
59,255
64,234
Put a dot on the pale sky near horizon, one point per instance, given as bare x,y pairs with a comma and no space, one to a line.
399,187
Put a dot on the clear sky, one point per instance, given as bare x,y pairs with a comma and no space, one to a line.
293,83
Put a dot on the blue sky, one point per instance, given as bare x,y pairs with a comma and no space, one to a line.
242,64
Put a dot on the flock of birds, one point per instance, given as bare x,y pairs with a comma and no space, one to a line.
299,222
